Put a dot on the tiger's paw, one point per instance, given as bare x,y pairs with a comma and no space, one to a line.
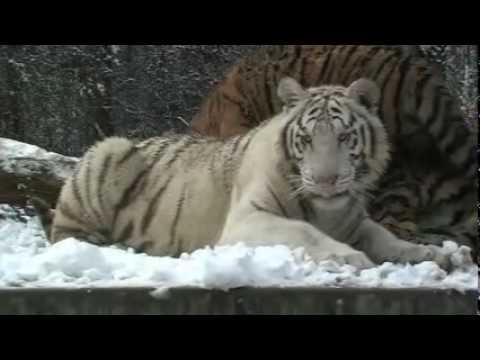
446,259
357,259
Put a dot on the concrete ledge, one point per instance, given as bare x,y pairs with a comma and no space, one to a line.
248,301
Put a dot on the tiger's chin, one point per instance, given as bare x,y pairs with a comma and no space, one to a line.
329,200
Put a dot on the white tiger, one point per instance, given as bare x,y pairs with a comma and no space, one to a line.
298,180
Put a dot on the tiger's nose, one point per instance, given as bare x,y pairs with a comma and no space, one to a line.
328,180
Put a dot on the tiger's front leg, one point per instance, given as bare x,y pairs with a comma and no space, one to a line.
382,246
265,229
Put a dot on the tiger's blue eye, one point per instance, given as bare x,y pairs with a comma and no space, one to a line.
344,137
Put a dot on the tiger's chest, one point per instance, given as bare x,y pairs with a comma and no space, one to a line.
339,221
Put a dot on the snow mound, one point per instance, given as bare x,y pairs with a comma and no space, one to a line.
27,260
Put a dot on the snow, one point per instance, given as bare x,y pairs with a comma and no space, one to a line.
25,159
27,260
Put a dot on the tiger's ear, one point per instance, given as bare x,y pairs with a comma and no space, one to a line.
366,93
291,92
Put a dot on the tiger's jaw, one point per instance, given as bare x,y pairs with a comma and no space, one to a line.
330,202
329,189
327,195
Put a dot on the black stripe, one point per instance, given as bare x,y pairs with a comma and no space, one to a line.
129,195
392,199
298,147
232,100
268,95
76,191
278,202
303,74
459,141
363,136
146,144
292,140
437,184
361,62
88,175
386,82
326,64
333,68
247,145
435,110
348,55
274,81
373,137
101,181
342,120
352,68
66,211
246,105
402,72
305,210
236,143
458,217
259,208
465,191
128,155
153,207
420,88
332,98
180,149
180,248
382,66
294,58
373,140
285,145
445,128
88,185
176,220
144,248
370,56
256,90
159,152
126,234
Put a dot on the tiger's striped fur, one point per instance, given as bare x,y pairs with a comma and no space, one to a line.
430,185
297,180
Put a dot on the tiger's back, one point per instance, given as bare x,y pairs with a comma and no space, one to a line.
135,195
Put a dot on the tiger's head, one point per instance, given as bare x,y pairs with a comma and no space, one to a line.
334,138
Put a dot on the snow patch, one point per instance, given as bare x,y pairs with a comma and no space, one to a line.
27,260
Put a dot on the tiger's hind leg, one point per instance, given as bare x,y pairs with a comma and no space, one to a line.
108,177
96,238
